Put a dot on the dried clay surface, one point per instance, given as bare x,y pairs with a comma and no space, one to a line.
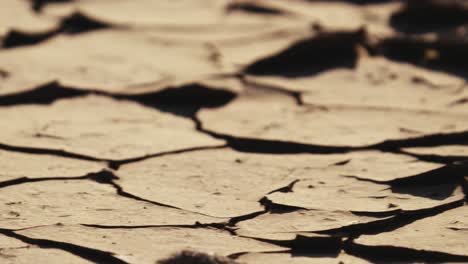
233,131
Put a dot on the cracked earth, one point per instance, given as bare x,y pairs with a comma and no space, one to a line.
233,131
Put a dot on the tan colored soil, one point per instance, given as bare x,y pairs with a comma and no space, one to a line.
233,131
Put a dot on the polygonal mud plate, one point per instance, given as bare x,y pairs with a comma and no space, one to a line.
13,251
99,127
84,202
280,258
222,183
228,183
40,166
108,60
322,191
380,83
374,165
277,225
370,71
376,83
17,15
147,245
164,15
277,120
339,15
232,37
145,12
446,232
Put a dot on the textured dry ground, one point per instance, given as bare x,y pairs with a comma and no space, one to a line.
287,131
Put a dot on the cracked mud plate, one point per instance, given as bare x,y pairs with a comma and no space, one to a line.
274,120
121,130
121,242
233,131
82,201
108,60
16,15
447,232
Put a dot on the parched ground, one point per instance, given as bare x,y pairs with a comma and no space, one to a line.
256,131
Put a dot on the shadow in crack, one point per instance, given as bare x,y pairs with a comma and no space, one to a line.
251,145
312,56
90,254
44,151
437,184
309,245
445,55
429,16
185,100
37,5
254,145
443,159
390,222
253,8
436,192
193,257
394,254
456,138
17,38
44,94
356,2
74,24
316,246
78,23
276,208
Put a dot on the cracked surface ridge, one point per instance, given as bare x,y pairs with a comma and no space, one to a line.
233,131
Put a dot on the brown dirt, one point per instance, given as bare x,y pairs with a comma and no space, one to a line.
233,131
